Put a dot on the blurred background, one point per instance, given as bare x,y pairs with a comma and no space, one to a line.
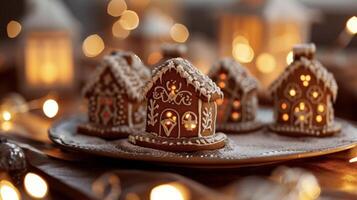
50,47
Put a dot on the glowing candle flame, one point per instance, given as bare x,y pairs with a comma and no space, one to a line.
8,191
50,108
35,185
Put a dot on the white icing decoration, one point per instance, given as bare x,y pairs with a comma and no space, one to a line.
152,115
207,119
172,95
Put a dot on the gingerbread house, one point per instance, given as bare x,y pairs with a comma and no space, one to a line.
303,96
181,109
115,106
237,111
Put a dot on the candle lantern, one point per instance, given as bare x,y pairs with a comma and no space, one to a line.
50,34
261,33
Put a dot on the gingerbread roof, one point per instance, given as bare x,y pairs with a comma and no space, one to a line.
315,67
203,85
237,72
127,69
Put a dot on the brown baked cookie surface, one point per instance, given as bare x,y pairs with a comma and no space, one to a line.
115,106
303,96
237,111
181,109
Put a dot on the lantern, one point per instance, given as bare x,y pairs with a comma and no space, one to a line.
261,33
50,32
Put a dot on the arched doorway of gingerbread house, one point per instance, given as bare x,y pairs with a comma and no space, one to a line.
169,123
302,114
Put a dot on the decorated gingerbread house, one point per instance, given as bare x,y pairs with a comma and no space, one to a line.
237,111
115,105
181,109
303,96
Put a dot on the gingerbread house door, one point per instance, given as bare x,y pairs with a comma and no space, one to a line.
106,109
169,123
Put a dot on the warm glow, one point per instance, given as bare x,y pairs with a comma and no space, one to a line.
6,115
285,117
284,106
351,25
266,63
179,33
50,108
236,103
222,85
118,31
308,77
13,29
302,118
290,58
129,20
318,118
305,83
8,191
302,77
315,94
172,191
302,106
49,59
154,57
173,87
93,45
353,160
219,102
321,108
243,53
235,115
116,7
292,92
193,126
223,76
239,39
35,185
169,114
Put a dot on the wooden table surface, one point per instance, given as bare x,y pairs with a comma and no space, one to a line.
72,175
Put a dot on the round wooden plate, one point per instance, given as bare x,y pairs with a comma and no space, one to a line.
256,148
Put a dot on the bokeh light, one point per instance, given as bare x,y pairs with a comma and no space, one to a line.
351,25
93,45
239,39
116,7
118,31
289,58
154,57
179,33
129,20
6,115
35,185
172,191
266,63
243,53
13,29
50,108
8,191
